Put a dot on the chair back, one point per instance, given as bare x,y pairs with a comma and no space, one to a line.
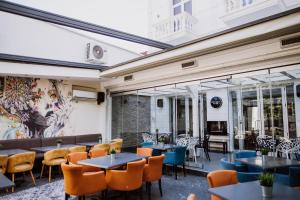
126,180
56,153
20,159
76,156
146,144
144,151
105,147
117,146
245,154
180,154
72,176
153,170
3,163
192,197
77,149
221,178
227,165
97,153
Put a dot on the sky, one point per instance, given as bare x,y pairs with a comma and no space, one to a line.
117,14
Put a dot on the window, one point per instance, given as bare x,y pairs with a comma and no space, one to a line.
247,2
180,6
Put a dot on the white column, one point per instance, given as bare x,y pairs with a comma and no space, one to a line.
107,135
187,115
201,115
195,100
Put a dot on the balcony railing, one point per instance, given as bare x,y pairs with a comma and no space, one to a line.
180,23
232,5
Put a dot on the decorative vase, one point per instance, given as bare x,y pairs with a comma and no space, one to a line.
58,145
113,156
267,191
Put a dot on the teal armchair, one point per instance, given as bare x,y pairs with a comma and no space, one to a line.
175,158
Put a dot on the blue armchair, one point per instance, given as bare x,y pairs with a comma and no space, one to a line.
233,165
292,179
176,158
248,176
146,144
245,154
248,154
243,174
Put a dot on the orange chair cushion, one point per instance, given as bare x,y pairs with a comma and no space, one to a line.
53,162
97,153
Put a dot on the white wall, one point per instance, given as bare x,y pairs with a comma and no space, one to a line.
29,37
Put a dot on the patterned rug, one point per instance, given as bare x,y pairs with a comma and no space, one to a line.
172,190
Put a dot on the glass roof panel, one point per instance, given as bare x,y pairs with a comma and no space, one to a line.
159,20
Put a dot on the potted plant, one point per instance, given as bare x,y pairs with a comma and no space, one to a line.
113,154
264,152
266,182
100,139
58,143
161,141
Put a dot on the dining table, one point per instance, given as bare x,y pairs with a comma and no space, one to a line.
253,191
5,182
106,162
88,144
48,148
10,152
268,162
163,147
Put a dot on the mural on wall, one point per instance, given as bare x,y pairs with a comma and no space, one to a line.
32,108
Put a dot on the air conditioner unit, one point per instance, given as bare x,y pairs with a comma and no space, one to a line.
96,54
84,95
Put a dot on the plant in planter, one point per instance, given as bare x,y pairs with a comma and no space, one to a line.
266,182
264,152
59,142
161,140
113,154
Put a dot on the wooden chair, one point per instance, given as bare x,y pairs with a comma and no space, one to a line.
105,147
192,197
22,162
54,157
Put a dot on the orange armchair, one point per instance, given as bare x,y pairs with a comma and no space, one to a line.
117,146
126,180
153,172
97,153
3,163
102,146
144,151
221,178
21,162
81,184
192,197
77,149
54,158
73,158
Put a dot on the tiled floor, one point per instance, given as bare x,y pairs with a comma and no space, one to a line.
172,190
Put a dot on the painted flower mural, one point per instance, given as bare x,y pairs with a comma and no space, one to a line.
32,108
